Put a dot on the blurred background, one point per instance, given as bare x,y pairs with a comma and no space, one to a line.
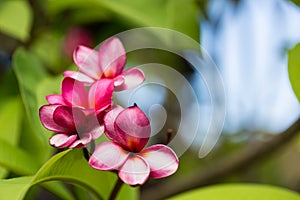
248,40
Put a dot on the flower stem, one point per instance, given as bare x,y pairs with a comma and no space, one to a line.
86,154
116,189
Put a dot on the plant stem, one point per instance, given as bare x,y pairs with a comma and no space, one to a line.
116,189
86,153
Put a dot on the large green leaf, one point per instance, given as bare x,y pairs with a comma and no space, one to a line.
15,18
13,189
30,74
238,192
29,141
70,166
16,188
294,69
11,113
179,15
16,159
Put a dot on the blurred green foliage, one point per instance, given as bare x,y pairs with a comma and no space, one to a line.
16,18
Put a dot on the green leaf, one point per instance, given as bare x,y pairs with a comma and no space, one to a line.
15,19
30,73
11,113
155,13
16,159
15,188
238,192
294,69
182,17
70,166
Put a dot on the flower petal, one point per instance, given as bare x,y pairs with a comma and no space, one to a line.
46,116
109,120
162,160
135,171
112,57
62,140
119,80
133,126
100,94
74,92
87,61
132,78
71,119
97,132
56,99
78,76
82,142
108,156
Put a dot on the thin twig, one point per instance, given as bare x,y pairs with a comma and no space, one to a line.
116,189
221,168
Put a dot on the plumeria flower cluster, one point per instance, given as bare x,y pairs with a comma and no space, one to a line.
85,110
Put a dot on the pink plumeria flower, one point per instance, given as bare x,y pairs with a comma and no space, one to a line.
97,98
108,62
74,127
129,130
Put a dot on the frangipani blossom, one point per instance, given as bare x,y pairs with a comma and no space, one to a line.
129,130
75,94
108,62
74,127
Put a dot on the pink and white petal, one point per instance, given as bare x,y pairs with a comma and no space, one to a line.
56,99
87,61
46,116
63,116
79,77
108,156
132,125
135,171
109,120
83,141
132,78
97,132
112,57
62,140
74,92
100,94
162,160
119,80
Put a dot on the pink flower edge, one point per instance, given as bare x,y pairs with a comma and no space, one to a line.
156,161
